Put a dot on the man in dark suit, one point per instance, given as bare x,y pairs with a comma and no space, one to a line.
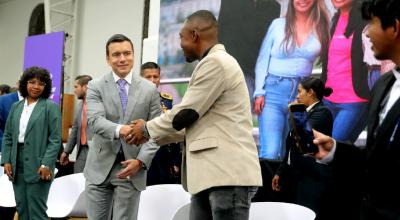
80,133
379,163
6,101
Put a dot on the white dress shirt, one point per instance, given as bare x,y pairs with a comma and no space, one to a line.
23,122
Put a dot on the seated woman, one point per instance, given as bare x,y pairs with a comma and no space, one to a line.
305,180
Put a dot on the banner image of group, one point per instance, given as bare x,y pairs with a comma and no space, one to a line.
241,37
260,34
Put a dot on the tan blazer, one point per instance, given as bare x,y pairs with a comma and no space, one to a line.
220,149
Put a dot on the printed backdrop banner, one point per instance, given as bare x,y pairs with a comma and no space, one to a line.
47,51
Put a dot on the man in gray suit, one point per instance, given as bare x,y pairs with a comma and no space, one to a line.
115,171
80,134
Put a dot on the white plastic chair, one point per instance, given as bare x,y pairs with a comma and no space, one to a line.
67,197
182,213
279,211
7,198
264,211
161,201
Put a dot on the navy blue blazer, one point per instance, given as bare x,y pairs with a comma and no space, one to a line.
6,102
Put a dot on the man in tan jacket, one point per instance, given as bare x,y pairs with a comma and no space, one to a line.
220,162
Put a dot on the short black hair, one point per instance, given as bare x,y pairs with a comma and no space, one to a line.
388,11
83,79
39,73
317,86
204,15
149,65
117,38
5,89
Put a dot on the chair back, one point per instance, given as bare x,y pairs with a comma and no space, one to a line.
182,213
7,198
161,201
67,197
279,211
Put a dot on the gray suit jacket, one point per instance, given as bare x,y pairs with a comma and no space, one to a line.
220,149
105,114
75,135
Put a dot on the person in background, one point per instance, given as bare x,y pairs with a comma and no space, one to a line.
165,167
344,70
306,181
286,57
4,89
6,101
31,142
80,134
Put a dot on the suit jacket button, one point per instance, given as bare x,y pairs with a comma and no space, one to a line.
26,159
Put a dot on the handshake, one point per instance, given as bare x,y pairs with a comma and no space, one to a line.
135,132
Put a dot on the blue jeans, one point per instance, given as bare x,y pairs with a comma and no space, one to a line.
274,119
349,119
222,203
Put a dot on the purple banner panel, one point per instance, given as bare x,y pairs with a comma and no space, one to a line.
47,51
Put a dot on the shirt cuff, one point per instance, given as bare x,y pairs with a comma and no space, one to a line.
117,131
142,165
329,157
145,131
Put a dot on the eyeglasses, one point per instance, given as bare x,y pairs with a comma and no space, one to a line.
36,82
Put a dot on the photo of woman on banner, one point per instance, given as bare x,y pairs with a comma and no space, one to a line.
243,37
287,55
344,70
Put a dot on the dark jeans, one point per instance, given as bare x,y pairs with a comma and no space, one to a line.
224,202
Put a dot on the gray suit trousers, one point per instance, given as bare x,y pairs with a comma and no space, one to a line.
114,195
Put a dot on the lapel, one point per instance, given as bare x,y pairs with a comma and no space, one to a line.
37,111
79,115
112,90
389,121
376,103
17,117
132,97
376,132
314,108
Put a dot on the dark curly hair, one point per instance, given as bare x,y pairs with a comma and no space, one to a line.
38,73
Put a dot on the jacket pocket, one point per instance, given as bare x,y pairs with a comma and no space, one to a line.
203,144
